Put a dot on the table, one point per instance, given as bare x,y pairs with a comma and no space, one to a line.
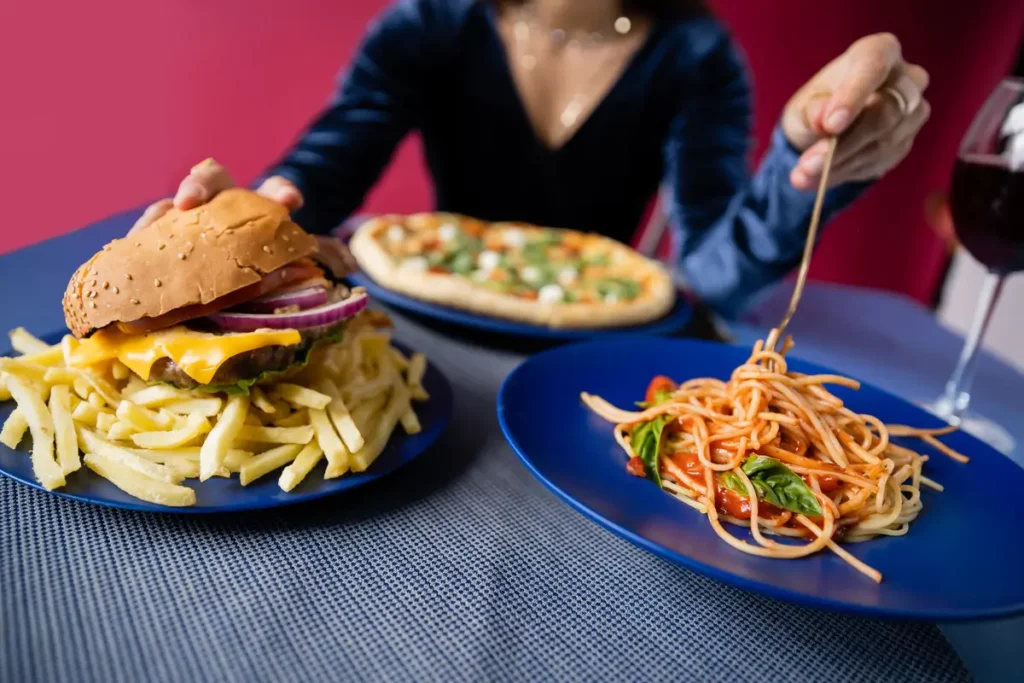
459,567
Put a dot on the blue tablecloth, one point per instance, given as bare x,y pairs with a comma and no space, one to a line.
459,567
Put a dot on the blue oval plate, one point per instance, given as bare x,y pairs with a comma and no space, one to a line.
228,495
670,323
961,559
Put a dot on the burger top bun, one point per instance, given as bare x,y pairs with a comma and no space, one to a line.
184,258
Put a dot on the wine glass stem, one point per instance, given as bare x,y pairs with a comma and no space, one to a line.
958,389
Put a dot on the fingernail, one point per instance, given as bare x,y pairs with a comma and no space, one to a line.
812,164
838,120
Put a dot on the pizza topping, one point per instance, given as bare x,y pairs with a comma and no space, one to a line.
514,237
567,276
489,260
530,274
551,294
619,288
396,233
447,232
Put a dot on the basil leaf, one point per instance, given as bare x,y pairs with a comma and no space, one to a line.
733,483
780,486
462,263
646,443
618,287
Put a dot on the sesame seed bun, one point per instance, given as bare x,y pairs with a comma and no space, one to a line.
184,258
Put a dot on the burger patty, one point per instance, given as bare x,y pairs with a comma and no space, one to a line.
246,365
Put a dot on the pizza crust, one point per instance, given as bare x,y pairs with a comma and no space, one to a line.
454,291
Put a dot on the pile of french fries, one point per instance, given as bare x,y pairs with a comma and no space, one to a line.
148,439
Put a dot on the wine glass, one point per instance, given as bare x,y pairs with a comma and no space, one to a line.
987,204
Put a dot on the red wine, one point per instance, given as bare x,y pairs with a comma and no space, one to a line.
987,201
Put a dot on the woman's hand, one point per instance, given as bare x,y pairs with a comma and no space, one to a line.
204,181
207,178
872,98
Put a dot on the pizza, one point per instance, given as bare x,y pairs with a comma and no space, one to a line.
544,276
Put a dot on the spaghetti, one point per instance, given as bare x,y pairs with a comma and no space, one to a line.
774,451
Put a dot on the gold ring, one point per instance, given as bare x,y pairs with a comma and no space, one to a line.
898,98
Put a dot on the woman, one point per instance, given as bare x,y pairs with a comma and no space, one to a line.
571,113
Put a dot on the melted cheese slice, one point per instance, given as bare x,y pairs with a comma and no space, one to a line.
198,354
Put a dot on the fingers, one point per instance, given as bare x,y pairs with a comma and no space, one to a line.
873,166
152,212
282,191
871,149
869,63
882,123
205,180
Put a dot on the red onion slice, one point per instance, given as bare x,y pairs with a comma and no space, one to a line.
307,297
328,314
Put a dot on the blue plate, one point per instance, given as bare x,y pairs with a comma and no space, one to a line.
670,323
961,559
228,495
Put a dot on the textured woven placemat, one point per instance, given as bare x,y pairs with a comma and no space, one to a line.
459,567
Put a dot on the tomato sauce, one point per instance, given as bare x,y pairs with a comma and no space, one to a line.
635,466
727,501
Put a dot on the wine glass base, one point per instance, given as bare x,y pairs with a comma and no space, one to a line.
979,427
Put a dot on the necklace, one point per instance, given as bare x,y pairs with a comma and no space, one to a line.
527,25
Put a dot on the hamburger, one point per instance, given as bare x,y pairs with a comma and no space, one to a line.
218,298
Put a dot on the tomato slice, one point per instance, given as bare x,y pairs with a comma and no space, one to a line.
295,272
659,384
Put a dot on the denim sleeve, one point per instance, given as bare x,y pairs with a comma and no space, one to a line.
740,231
342,153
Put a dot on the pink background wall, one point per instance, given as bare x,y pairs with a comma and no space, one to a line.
106,104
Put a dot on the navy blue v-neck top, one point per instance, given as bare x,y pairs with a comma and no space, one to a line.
679,117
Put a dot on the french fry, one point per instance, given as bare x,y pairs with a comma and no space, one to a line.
101,386
94,444
260,400
14,429
119,371
411,422
23,369
297,419
23,342
96,400
414,377
143,419
301,396
374,343
235,459
105,421
357,390
208,407
288,435
82,387
399,359
133,386
305,461
4,394
396,407
196,426
86,413
156,395
139,485
266,462
341,418
364,413
327,438
59,376
64,430
253,420
121,431
219,441
40,425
